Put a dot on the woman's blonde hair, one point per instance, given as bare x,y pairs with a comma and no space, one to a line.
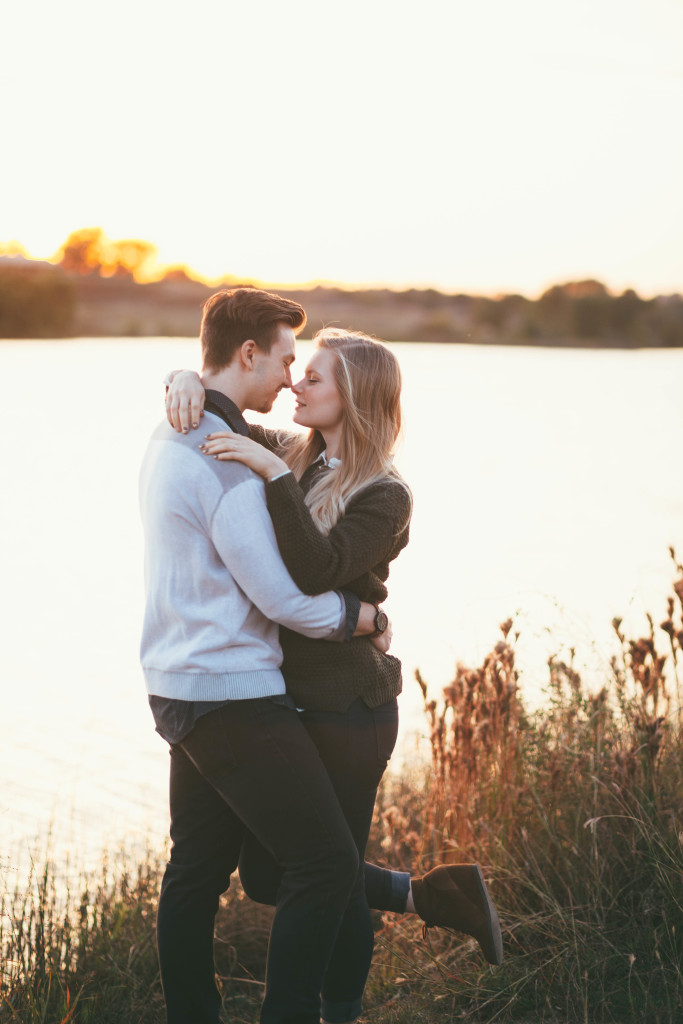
368,379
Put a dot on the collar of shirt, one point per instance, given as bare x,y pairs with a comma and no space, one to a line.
330,463
219,404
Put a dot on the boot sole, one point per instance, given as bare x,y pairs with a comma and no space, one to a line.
494,949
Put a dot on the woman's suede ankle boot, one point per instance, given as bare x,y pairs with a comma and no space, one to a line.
455,896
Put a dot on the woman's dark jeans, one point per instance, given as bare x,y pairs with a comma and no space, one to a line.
355,747
251,767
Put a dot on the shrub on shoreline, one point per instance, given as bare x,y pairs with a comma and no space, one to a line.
577,812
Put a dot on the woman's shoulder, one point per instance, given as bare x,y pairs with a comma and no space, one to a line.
391,492
392,483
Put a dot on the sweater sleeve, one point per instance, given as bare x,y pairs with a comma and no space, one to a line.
374,525
252,557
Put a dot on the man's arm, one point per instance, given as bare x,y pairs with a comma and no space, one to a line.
242,532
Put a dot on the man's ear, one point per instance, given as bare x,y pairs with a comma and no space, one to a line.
247,351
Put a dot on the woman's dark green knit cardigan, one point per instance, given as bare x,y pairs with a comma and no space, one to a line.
355,555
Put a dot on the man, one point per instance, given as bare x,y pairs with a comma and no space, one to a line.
240,759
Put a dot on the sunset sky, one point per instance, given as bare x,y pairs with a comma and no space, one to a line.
483,146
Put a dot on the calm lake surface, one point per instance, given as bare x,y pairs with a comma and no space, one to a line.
547,486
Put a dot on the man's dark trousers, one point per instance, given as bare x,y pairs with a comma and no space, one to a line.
251,765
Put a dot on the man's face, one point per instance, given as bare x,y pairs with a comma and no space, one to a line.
272,370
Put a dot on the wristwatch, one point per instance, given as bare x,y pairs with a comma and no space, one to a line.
381,623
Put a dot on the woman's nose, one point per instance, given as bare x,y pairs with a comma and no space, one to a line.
296,388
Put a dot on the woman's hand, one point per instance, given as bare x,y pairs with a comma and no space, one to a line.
185,401
229,447
383,641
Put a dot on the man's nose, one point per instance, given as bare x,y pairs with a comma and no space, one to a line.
288,377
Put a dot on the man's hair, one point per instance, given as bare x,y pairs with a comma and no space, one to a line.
241,314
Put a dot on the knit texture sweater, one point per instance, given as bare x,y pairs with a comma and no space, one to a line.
355,555
216,584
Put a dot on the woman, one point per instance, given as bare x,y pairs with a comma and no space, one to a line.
341,514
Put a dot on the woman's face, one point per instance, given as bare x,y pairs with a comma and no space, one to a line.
318,402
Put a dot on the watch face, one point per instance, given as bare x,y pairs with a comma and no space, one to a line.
381,621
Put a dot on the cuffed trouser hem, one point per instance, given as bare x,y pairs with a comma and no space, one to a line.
339,1013
386,889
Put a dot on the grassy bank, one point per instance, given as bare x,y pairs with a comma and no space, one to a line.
575,810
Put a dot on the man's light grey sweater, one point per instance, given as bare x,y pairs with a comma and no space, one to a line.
216,585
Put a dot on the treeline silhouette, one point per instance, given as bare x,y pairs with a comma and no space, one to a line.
38,303
94,286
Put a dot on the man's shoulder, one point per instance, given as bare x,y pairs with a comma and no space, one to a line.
208,425
179,460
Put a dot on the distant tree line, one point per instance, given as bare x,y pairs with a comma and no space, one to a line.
39,299
91,272
586,311
579,312
36,303
89,251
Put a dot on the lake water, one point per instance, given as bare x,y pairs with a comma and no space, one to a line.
547,486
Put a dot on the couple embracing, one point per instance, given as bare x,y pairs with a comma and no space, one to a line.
265,655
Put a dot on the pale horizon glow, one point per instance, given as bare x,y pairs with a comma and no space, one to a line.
481,148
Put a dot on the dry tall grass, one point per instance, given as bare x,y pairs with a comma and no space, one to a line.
88,956
575,811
